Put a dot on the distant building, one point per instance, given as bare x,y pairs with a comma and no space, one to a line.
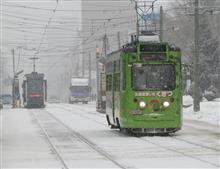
116,19
209,3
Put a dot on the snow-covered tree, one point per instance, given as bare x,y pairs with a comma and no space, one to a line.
209,55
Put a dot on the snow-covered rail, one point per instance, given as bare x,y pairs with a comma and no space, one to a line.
185,143
60,135
53,146
215,149
175,139
185,152
172,136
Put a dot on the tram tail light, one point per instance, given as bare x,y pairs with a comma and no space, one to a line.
35,95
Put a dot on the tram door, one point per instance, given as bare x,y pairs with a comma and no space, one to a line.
116,90
113,98
110,91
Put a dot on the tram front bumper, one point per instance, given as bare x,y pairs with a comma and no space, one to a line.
153,122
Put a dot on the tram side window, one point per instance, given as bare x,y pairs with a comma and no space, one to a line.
108,82
110,67
24,91
122,74
117,82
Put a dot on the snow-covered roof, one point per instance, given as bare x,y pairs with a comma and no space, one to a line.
79,82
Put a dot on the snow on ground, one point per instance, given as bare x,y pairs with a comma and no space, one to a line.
23,145
181,151
209,111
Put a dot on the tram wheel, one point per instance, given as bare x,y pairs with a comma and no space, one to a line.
118,124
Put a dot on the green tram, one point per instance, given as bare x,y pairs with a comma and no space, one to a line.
144,88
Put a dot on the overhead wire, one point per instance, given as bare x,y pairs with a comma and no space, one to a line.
45,30
24,18
64,20
75,10
88,4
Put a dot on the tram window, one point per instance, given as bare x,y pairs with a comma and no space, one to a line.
152,56
117,82
152,48
117,65
110,67
154,77
123,74
35,85
108,82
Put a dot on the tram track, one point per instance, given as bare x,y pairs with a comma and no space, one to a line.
86,117
172,137
59,156
179,152
74,135
195,144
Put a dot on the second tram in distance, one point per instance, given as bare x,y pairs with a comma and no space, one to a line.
143,88
34,90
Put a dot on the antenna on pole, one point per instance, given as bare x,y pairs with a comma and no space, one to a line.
13,57
145,17
34,63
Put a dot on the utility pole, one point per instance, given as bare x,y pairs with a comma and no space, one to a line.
119,40
13,59
105,45
83,65
92,27
161,24
196,89
218,26
98,51
90,78
1,72
15,86
34,63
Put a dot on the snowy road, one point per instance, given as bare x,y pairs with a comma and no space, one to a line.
73,136
22,142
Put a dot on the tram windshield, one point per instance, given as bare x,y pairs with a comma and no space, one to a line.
35,86
154,77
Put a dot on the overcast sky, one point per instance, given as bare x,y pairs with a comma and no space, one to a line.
50,31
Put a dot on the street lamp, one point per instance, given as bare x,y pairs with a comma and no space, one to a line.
15,90
98,52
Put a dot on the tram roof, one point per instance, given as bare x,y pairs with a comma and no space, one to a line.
34,75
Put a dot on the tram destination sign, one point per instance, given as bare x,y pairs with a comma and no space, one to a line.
155,94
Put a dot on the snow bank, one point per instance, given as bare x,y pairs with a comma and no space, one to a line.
209,111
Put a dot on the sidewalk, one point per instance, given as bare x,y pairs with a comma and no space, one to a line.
209,111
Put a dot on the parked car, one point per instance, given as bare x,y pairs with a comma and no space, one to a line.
1,105
6,99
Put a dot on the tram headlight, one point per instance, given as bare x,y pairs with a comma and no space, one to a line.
142,104
166,104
